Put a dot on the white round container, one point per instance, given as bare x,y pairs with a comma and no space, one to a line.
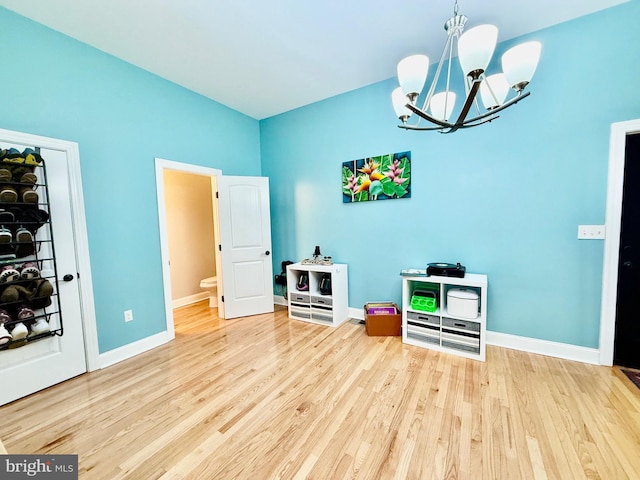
462,303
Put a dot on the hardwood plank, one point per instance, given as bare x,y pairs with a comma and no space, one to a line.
268,397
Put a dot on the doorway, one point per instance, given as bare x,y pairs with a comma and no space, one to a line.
190,231
163,166
620,133
626,351
242,223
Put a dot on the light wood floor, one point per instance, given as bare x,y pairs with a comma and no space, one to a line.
266,397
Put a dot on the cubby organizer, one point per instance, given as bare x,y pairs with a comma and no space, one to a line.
310,303
461,331
28,272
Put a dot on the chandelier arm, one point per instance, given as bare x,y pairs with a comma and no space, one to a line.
485,120
513,101
481,78
468,102
426,116
434,82
415,127
450,130
493,95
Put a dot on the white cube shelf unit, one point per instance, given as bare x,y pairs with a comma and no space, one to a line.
311,305
441,330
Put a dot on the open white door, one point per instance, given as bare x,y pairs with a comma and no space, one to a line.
245,237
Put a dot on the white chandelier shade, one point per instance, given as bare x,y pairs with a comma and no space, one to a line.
494,90
442,105
399,101
520,62
475,49
412,73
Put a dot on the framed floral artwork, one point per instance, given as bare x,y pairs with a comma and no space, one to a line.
383,177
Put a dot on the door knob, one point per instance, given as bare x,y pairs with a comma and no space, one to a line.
267,253
628,264
68,277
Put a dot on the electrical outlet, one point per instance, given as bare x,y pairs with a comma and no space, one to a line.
591,232
128,315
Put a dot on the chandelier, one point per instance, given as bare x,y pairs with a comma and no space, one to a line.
475,48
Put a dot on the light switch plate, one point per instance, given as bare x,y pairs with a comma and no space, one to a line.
591,232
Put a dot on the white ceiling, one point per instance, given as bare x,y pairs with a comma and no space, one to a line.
265,57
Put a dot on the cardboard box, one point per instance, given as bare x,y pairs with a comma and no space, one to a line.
379,322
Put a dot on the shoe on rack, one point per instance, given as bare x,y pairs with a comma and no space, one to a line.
31,157
8,194
29,178
5,235
41,326
10,294
5,175
29,271
29,218
5,336
26,315
23,235
43,288
8,274
41,291
19,331
6,217
28,195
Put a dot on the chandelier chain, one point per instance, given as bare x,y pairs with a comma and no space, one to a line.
455,8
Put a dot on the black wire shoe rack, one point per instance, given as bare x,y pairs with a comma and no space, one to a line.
29,298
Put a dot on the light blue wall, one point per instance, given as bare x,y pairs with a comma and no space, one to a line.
122,118
504,199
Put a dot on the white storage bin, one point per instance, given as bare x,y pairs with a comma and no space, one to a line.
462,302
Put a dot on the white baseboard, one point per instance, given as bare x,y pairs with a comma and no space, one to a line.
357,313
497,339
131,350
526,344
196,297
544,347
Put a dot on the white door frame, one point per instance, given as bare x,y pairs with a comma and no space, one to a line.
76,199
617,143
161,166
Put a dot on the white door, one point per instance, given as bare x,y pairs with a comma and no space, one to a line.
46,361
245,238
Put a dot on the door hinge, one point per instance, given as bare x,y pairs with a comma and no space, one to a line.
220,247
217,195
223,298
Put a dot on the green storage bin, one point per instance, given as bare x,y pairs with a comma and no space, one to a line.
424,301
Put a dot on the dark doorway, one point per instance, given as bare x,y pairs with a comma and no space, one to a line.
627,339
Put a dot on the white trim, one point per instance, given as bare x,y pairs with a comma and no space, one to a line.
619,132
544,347
189,300
280,300
76,198
526,344
161,166
357,313
132,349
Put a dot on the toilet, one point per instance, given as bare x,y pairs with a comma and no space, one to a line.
211,285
